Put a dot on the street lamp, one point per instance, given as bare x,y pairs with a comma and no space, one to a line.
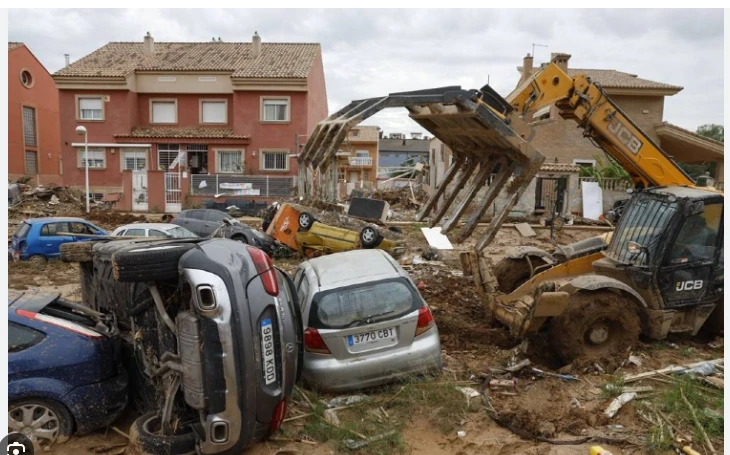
81,131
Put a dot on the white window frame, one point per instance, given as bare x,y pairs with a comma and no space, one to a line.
579,161
80,151
224,102
167,167
264,99
162,101
123,159
265,152
101,98
218,161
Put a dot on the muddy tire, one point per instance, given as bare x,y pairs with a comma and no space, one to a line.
144,438
595,326
512,273
370,237
149,263
77,252
306,220
38,260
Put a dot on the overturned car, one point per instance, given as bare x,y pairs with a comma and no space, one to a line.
212,334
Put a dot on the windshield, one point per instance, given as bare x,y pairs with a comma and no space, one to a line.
643,222
354,305
180,233
22,230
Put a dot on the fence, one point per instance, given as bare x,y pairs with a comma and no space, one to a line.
242,185
610,184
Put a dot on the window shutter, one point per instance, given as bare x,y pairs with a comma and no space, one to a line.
163,112
214,112
90,104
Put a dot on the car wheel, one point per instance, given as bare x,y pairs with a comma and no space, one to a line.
38,260
44,422
305,221
370,237
77,252
146,263
240,238
145,437
596,326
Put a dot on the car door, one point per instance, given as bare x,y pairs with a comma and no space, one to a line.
194,220
213,219
51,237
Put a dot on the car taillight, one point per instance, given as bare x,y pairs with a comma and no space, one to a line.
278,417
425,320
313,342
58,322
262,262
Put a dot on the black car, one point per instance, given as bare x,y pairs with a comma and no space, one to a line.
214,337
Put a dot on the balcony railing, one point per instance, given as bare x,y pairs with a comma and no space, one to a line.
612,184
360,161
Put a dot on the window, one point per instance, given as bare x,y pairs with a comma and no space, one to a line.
366,175
91,108
697,239
53,229
135,233
216,216
275,110
29,130
196,214
275,161
362,153
97,157
167,156
163,111
21,338
156,233
230,161
26,78
81,228
584,163
133,160
31,162
214,111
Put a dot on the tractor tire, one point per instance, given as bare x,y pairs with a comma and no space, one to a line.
149,263
77,252
596,326
144,438
512,273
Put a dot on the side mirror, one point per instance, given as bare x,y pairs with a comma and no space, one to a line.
634,247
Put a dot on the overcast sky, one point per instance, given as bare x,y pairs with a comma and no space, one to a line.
371,53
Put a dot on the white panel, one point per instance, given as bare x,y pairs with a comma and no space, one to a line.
592,200
215,112
90,103
163,112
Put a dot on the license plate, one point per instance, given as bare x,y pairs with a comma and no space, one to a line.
372,339
267,351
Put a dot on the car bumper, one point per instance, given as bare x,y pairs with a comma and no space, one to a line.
328,374
98,405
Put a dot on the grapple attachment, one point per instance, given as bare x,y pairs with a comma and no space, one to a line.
489,141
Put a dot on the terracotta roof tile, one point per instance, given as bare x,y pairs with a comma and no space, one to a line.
277,60
559,167
617,79
182,133
364,134
13,45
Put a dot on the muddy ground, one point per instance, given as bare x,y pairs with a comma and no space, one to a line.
543,407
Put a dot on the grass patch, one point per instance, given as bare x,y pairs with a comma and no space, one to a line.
659,440
612,388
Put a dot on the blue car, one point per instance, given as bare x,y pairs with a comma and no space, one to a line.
40,239
64,368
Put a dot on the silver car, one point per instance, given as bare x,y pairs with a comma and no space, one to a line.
365,323
162,230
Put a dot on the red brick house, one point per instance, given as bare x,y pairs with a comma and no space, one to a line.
34,139
170,122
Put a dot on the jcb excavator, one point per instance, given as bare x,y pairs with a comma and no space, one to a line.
661,271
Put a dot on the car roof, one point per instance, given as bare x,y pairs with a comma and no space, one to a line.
207,210
160,226
53,219
351,267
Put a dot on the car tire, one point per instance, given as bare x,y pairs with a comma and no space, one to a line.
306,220
38,260
143,437
241,238
596,326
60,418
77,252
149,263
370,237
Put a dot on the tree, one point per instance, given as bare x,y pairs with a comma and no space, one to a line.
713,131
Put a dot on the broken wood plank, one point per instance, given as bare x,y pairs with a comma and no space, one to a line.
669,369
525,230
717,382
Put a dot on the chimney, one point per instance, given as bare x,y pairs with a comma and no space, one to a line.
527,65
149,44
68,59
256,45
560,59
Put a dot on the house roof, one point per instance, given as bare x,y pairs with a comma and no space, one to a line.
617,79
686,146
13,45
404,145
182,133
365,134
276,60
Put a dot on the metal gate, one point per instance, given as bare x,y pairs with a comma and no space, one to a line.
139,191
173,193
549,194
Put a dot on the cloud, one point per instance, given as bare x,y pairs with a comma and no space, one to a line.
370,53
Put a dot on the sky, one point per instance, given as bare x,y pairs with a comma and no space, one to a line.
370,53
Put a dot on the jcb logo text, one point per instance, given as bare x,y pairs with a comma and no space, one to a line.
689,285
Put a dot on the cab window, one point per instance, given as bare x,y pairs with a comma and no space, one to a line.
53,229
697,238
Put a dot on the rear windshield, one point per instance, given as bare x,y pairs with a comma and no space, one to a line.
363,303
22,230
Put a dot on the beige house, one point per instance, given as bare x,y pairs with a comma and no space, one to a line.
357,159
